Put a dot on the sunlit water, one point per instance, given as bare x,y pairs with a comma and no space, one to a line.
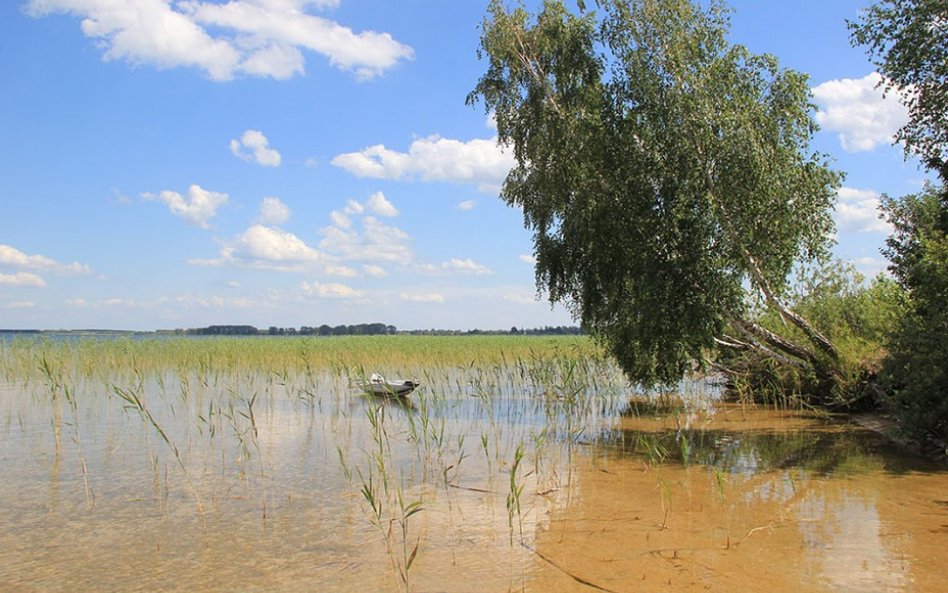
301,483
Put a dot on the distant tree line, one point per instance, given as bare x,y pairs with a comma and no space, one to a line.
367,329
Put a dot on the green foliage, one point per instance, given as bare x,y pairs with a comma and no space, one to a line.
855,315
662,170
908,42
917,369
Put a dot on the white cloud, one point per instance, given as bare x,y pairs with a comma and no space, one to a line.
273,212
376,203
266,24
255,37
265,247
268,244
21,305
375,242
522,298
147,32
870,267
374,271
455,265
254,147
331,291
379,205
431,297
276,60
467,205
857,110
189,300
200,207
13,257
477,161
364,239
340,219
527,259
340,271
858,210
116,302
22,279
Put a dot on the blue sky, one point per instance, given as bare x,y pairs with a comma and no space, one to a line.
172,163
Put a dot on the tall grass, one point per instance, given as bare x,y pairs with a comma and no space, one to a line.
213,407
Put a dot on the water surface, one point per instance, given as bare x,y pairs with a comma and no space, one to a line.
258,482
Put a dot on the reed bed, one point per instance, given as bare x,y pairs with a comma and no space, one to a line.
97,357
201,421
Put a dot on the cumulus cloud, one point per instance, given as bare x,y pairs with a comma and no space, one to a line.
527,259
14,258
340,271
254,147
370,239
199,208
340,219
273,212
455,265
265,247
355,234
857,110
354,207
22,279
254,37
331,291
858,210
379,205
478,161
374,271
268,244
375,241
431,297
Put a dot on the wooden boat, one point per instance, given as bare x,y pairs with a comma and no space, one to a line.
377,385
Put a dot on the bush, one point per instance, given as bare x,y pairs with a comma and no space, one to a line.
916,371
854,315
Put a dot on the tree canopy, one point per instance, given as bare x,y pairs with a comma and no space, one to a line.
908,42
666,174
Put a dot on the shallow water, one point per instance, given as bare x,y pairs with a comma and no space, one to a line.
257,483
768,501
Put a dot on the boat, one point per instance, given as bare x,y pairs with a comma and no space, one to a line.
378,385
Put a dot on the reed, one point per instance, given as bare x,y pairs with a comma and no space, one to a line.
134,401
211,404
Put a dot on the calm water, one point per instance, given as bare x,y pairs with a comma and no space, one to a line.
263,483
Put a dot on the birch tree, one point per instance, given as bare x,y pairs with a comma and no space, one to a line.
666,175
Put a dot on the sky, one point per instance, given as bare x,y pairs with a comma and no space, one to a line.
182,163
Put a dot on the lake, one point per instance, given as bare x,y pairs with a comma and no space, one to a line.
255,465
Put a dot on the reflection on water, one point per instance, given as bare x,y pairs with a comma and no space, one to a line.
246,482
751,500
